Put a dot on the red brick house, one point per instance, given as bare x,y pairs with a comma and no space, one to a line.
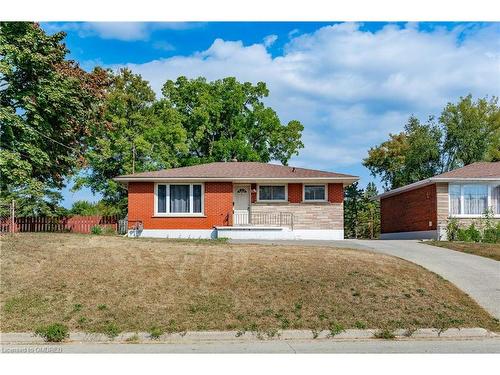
237,200
421,210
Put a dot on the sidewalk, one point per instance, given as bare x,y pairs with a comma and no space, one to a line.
467,340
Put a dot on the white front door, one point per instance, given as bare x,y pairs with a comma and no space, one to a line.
241,204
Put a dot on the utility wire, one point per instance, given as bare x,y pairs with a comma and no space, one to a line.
46,136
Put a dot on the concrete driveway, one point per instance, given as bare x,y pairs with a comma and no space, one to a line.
477,276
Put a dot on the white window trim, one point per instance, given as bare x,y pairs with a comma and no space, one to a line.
191,202
314,200
471,216
272,200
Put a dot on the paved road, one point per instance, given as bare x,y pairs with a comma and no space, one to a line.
485,345
477,276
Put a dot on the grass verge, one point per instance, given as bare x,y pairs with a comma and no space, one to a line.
487,250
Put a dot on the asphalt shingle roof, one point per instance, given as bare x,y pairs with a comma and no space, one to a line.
474,170
237,170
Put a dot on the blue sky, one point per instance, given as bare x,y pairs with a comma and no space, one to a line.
350,84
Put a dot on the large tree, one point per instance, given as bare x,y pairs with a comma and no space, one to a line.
466,132
472,131
226,119
407,157
143,135
48,109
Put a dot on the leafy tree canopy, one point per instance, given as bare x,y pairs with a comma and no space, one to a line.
466,132
226,119
143,135
48,108
86,208
472,132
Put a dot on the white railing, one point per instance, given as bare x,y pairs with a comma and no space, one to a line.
241,218
272,219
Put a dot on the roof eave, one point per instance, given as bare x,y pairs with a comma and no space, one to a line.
432,180
405,188
458,179
345,180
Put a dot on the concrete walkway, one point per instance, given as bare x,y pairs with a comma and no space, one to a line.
477,276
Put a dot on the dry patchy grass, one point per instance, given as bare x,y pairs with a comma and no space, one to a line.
487,250
101,284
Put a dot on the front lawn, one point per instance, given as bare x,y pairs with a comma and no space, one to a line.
113,284
488,250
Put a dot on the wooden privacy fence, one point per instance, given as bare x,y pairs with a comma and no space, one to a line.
73,224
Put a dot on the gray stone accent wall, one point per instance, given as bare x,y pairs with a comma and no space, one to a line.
306,215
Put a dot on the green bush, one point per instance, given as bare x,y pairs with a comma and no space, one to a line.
335,328
452,229
96,229
469,234
53,333
385,334
155,333
109,231
491,235
111,330
473,233
463,235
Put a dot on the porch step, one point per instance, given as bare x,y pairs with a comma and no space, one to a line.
254,232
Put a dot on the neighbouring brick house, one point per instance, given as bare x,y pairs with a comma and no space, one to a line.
421,210
237,200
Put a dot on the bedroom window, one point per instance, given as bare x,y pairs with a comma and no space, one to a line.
272,193
179,199
314,192
472,200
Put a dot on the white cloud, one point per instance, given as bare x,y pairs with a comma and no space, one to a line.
163,45
351,88
126,31
270,39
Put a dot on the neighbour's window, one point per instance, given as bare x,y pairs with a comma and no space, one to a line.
455,199
272,193
179,198
314,192
470,199
475,199
495,199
